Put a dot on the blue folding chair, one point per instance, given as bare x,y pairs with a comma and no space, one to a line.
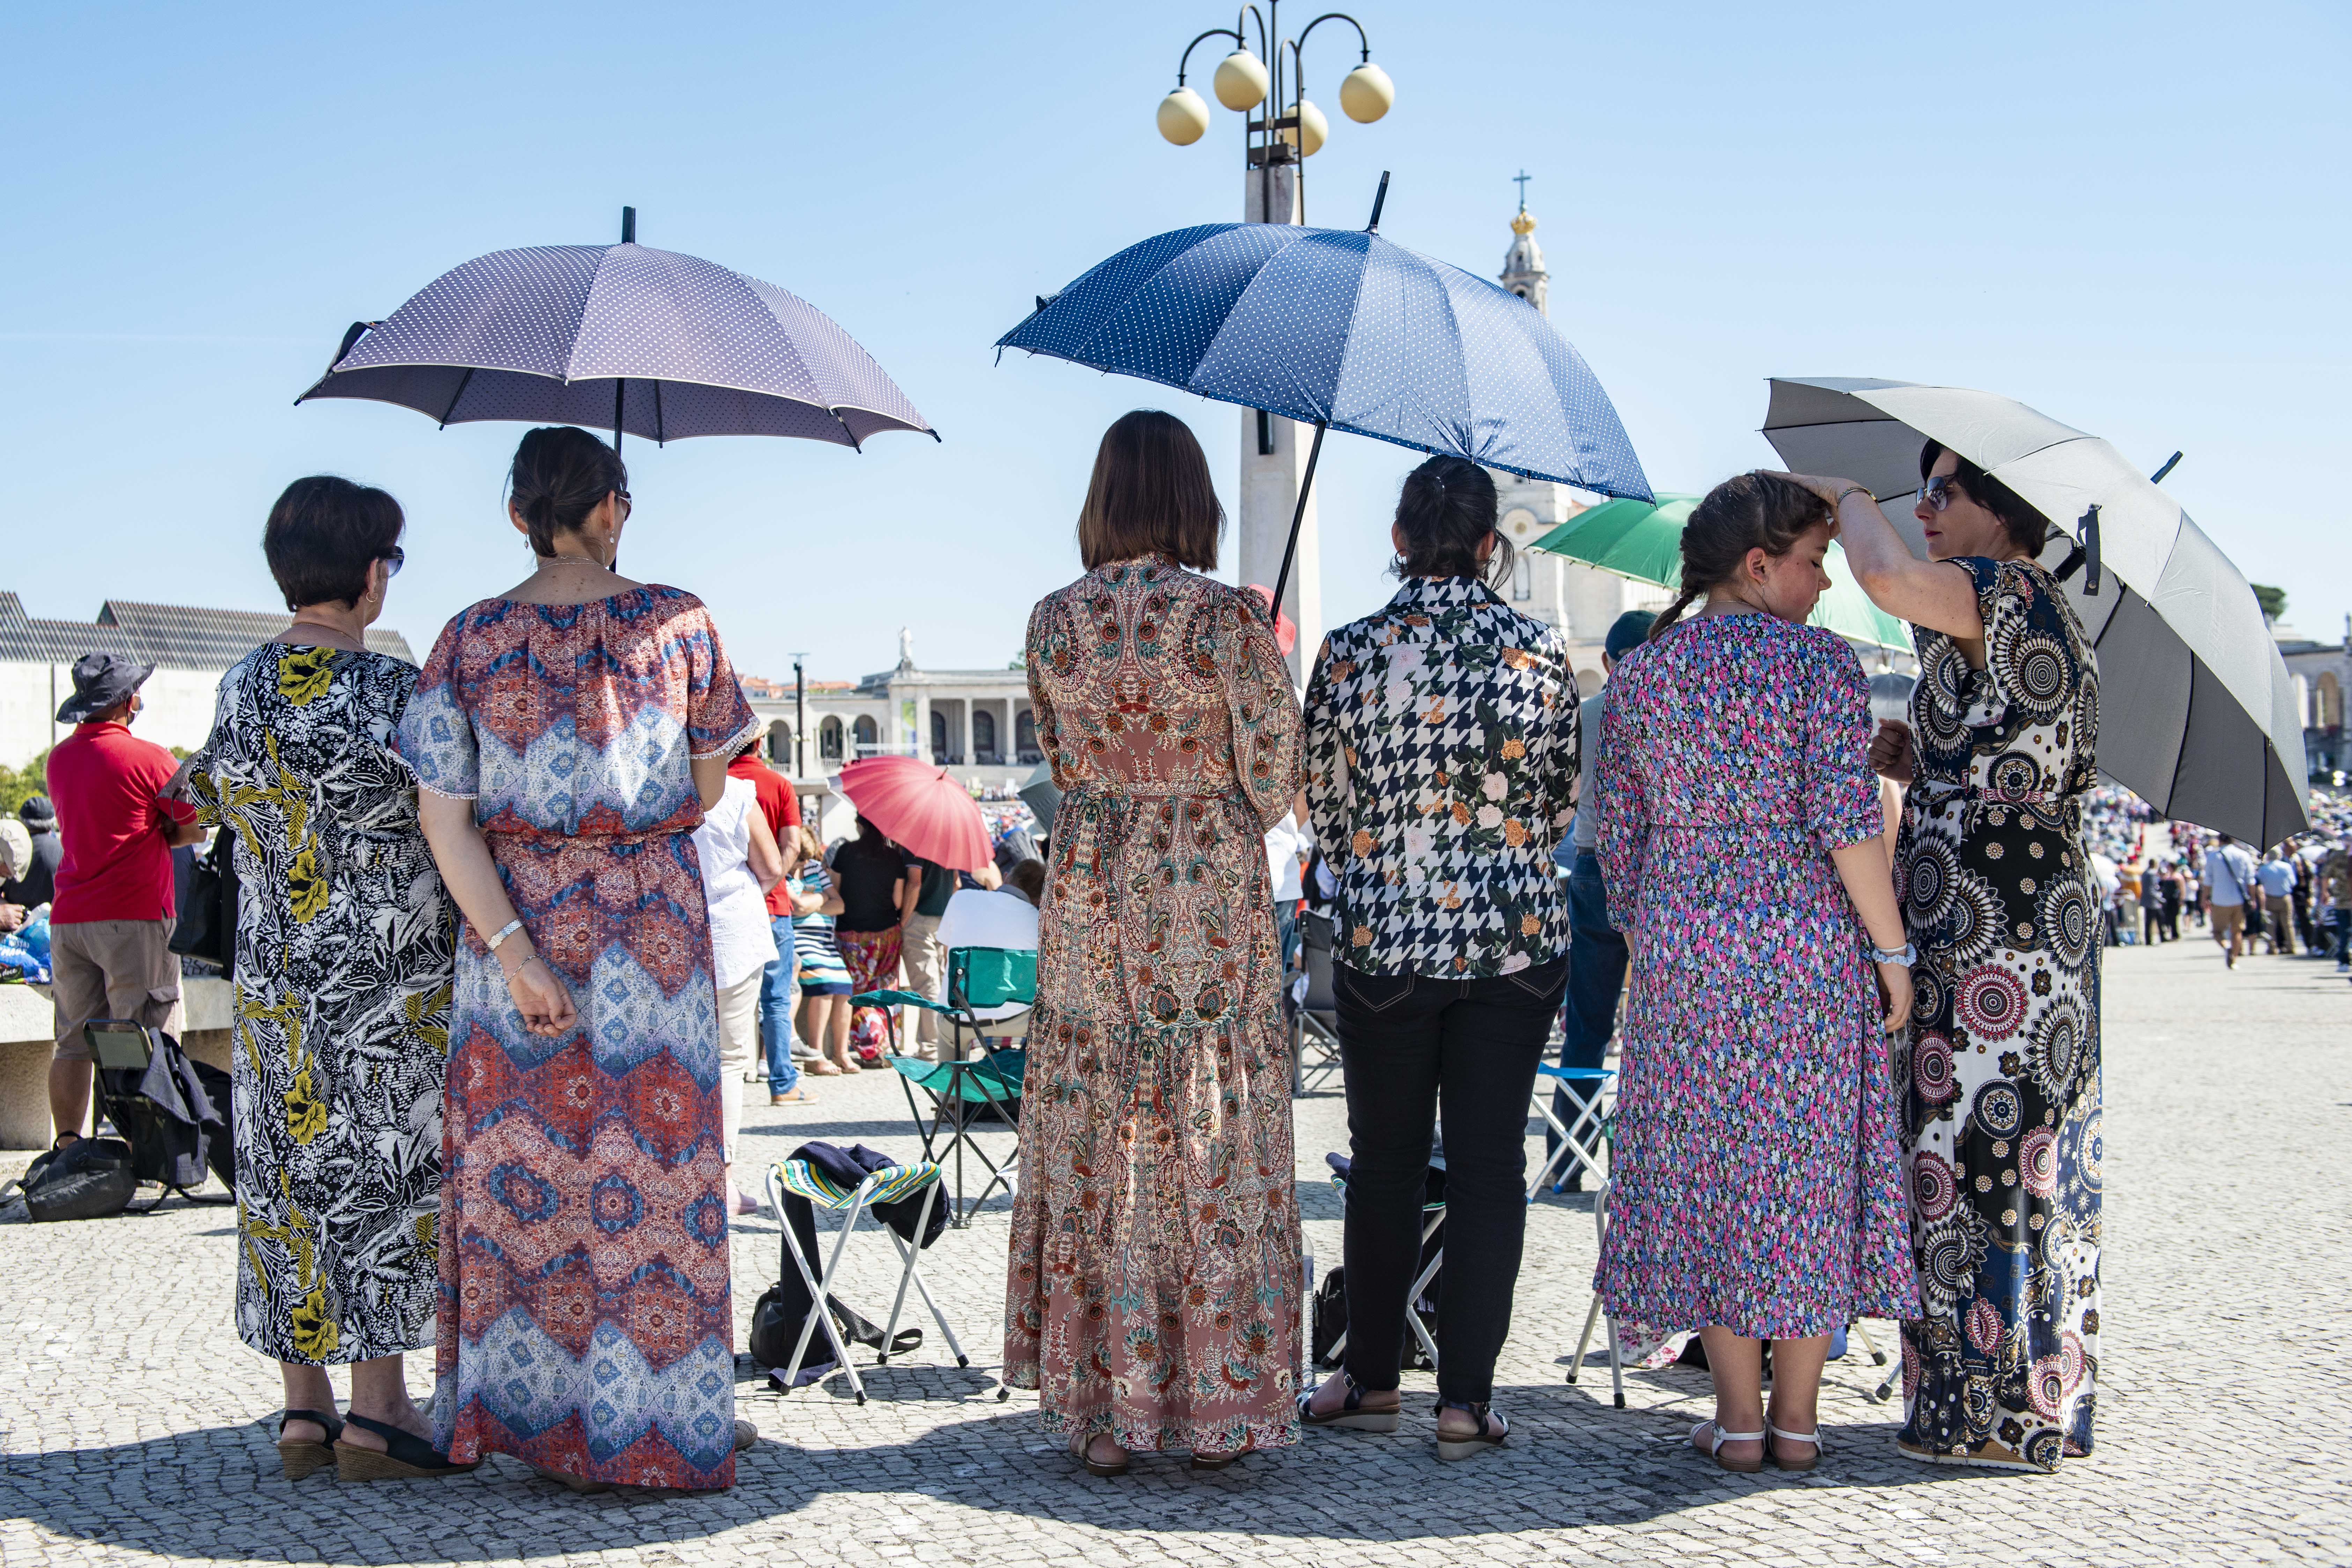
962,1091
1585,1137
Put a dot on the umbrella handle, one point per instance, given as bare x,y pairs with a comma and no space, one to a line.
1306,487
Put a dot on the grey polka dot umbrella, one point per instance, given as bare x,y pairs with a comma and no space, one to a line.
620,337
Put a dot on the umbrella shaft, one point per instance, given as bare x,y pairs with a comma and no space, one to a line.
1306,487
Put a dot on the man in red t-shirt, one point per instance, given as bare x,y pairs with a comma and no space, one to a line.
781,808
111,917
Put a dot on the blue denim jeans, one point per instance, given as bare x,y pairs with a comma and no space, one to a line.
1596,975
777,994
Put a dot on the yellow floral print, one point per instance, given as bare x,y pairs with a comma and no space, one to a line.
314,1328
306,1113
304,674
305,888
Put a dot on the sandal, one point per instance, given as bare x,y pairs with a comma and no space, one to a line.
299,1457
797,1095
1222,1461
1452,1448
1715,1448
405,1456
578,1486
1813,1437
1351,1417
1082,1452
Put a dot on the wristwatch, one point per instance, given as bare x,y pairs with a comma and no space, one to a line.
1906,956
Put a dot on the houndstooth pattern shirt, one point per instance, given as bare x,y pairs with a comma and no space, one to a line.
1442,753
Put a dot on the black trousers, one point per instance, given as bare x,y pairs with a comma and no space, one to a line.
1412,1046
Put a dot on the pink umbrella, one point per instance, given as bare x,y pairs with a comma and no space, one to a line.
1286,633
921,808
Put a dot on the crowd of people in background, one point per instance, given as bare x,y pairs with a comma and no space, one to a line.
519,928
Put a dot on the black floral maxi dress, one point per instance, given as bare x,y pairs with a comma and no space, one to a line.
343,952
2002,1138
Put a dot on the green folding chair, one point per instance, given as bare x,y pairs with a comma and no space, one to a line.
961,1092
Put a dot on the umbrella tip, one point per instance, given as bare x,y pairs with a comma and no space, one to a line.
628,226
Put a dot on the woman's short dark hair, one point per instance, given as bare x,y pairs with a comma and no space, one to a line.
1150,495
1747,511
1446,511
2027,529
1027,878
561,473
323,535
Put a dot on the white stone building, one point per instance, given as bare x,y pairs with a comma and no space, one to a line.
2322,673
190,649
1576,599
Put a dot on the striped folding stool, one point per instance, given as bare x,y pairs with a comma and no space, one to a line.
889,1184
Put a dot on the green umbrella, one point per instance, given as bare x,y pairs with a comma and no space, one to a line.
1635,539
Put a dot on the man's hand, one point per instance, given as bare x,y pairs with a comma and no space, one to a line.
12,917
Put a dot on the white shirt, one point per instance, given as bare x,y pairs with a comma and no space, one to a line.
2229,875
977,918
741,940
1284,845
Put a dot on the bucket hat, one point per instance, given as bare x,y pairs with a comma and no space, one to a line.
100,680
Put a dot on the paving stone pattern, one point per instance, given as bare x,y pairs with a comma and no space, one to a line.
135,1428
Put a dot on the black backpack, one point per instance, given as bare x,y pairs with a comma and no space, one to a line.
1331,1323
89,1178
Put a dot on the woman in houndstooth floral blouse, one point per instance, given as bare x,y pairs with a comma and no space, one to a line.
1441,768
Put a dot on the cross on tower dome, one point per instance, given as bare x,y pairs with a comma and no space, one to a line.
1523,265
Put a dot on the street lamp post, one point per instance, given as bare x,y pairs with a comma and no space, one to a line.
1282,128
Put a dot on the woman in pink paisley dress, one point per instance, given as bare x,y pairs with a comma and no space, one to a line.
1756,1184
1152,1293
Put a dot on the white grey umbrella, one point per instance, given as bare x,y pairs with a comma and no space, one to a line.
2197,713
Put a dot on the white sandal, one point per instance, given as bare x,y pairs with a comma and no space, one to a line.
1813,1437
1714,1448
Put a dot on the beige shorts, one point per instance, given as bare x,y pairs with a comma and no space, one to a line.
112,969
2229,920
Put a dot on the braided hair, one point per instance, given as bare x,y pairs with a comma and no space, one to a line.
1747,511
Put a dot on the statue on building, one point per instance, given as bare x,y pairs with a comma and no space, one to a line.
906,647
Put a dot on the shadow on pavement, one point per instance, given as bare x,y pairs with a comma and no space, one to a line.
217,1494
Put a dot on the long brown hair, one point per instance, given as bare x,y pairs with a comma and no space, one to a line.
1151,494
1747,511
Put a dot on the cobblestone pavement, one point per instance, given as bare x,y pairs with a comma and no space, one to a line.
136,1428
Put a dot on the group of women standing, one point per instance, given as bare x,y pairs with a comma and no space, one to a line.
502,1137
478,1102
1853,1084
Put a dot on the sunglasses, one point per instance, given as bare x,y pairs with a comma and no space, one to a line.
627,506
392,556
1941,491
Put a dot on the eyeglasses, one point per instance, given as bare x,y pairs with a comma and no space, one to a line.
392,556
627,506
1941,491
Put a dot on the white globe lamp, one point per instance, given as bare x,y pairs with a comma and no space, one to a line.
1311,132
1183,117
1241,81
1367,93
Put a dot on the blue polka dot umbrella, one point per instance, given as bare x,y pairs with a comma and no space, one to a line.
1340,328
620,337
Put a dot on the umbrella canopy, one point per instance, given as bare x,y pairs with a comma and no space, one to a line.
620,337
2198,715
1644,542
1340,327
922,809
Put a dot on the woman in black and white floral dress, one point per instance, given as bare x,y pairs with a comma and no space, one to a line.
2002,1139
343,953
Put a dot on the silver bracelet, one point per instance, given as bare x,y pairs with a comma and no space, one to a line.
503,932
1851,490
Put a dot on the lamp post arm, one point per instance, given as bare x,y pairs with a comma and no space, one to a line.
1184,60
1338,17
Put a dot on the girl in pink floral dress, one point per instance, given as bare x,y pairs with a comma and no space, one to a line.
1756,1187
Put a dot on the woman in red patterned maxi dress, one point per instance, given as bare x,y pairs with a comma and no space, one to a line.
1153,1287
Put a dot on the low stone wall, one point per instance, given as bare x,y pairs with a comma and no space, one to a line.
27,1024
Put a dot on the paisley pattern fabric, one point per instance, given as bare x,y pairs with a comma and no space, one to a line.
1153,1288
2002,1123
586,1320
344,937
1442,768
1755,1178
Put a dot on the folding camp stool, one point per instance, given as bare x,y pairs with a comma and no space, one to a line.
887,1185
1315,1007
1432,1215
959,1090
1585,1137
1592,1314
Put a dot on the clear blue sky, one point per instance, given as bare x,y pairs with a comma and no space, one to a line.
2132,217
